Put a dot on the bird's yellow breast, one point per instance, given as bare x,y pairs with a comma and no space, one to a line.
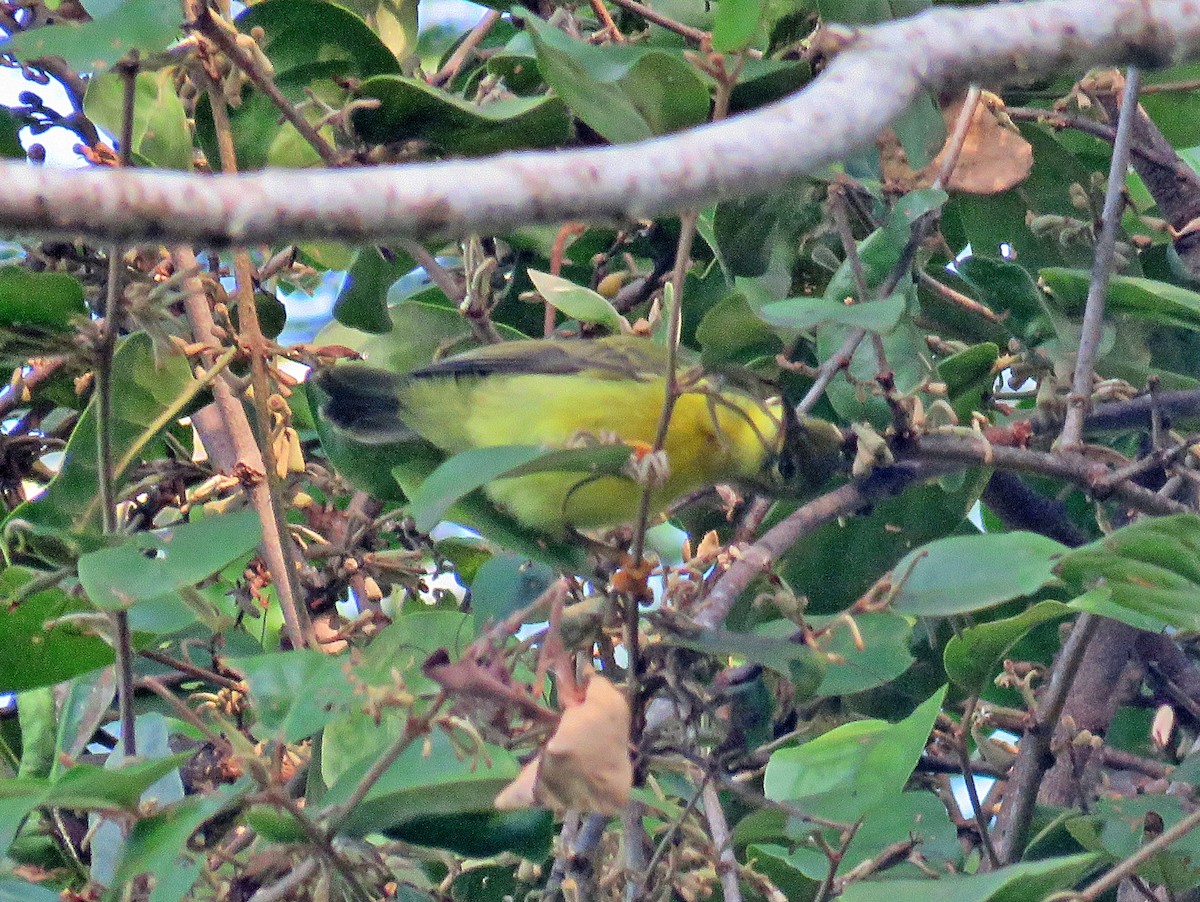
713,437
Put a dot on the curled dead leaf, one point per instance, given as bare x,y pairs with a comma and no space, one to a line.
585,764
993,158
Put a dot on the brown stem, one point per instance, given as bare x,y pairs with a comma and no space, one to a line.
247,458
284,574
695,35
1035,756
463,50
206,25
718,829
1080,397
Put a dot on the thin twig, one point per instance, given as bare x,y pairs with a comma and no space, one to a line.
1140,857
1085,472
288,883
964,759
200,673
957,297
837,205
284,573
756,558
464,49
206,25
683,255
1058,121
1079,399
1020,798
718,829
106,475
249,455
695,35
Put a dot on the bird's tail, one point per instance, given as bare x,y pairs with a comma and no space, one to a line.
366,402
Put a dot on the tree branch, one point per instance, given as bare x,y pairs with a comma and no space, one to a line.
883,68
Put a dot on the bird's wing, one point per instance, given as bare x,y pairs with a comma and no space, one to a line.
615,358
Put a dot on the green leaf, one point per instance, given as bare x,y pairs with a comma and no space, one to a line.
1015,883
35,714
802,314
1160,302
362,302
849,770
505,584
157,845
400,648
147,26
576,301
732,333
1004,287
482,834
50,300
971,656
970,573
918,816
743,230
91,788
411,110
921,130
736,22
794,660
307,39
10,134
296,693
624,93
144,389
32,654
765,80
424,781
884,655
160,131
969,376
819,567
476,467
1120,826
1151,568
151,564
395,21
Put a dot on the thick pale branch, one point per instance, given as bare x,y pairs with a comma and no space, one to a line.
867,85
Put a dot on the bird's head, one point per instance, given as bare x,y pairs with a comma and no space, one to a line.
808,454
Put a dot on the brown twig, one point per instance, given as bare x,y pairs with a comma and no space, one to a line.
1080,397
695,35
106,475
957,297
463,51
1076,468
248,456
1059,121
1020,798
200,673
284,578
718,829
206,25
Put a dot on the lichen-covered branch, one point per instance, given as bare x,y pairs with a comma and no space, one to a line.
882,68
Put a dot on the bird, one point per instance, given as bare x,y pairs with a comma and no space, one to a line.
564,393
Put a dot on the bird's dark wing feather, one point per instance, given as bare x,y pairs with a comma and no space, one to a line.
617,358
